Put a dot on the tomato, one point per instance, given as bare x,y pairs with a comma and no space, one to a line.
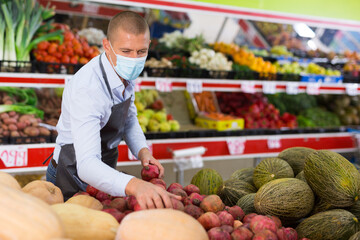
74,59
78,49
58,55
52,48
68,36
75,41
61,48
69,51
43,45
65,59
83,60
88,52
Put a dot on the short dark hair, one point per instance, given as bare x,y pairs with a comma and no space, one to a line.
128,21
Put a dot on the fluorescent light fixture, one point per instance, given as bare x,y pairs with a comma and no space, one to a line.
303,30
311,45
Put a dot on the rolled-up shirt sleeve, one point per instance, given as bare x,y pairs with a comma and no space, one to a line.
134,136
85,116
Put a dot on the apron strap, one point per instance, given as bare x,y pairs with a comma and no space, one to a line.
105,78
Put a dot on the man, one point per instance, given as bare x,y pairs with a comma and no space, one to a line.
98,111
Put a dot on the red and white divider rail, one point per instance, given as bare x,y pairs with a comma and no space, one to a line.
29,158
192,85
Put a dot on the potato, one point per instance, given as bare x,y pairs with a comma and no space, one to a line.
32,131
25,117
5,127
44,131
9,121
6,133
13,127
4,115
12,114
15,134
21,125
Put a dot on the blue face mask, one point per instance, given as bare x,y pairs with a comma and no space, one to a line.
128,68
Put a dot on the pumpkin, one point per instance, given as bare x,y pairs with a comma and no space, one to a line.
328,225
26,217
8,180
286,198
269,169
86,201
160,224
84,223
295,157
44,190
209,181
333,178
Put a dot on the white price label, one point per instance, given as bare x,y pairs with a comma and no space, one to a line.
269,87
313,88
274,143
163,85
236,146
194,86
248,87
292,88
14,156
351,89
90,8
185,163
137,87
133,158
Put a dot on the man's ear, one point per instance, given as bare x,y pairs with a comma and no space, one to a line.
106,45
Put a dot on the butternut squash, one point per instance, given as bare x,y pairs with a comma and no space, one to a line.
24,217
8,180
82,223
86,201
44,190
160,224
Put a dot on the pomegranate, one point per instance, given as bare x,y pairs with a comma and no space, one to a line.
260,223
158,181
160,185
236,212
242,233
119,203
196,198
218,233
248,217
237,224
209,220
137,207
91,190
131,202
115,213
193,211
227,228
287,234
265,235
179,192
102,196
187,201
106,203
212,203
174,185
225,218
149,172
191,188
177,204
276,220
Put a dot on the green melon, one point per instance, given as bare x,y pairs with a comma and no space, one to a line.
296,156
355,209
333,178
233,190
356,236
301,176
336,224
321,206
247,203
286,198
270,169
245,174
209,181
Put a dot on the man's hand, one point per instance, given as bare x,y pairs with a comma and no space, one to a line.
146,158
148,195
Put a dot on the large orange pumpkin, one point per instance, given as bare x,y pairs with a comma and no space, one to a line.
44,190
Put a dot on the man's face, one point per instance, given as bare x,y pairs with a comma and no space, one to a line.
127,45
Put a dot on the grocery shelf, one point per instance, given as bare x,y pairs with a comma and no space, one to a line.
29,158
226,85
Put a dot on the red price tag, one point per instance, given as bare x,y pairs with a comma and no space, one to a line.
14,156
236,146
163,85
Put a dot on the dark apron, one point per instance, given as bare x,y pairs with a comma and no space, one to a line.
111,135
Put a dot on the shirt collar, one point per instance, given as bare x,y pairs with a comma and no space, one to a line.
113,78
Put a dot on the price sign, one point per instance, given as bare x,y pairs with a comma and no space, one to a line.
236,146
313,88
90,8
194,86
269,87
163,85
248,87
274,142
351,89
14,156
185,163
137,87
133,158
292,88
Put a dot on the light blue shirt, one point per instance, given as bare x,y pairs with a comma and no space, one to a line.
85,110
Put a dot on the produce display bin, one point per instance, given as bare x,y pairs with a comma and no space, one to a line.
26,140
16,66
60,68
219,125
